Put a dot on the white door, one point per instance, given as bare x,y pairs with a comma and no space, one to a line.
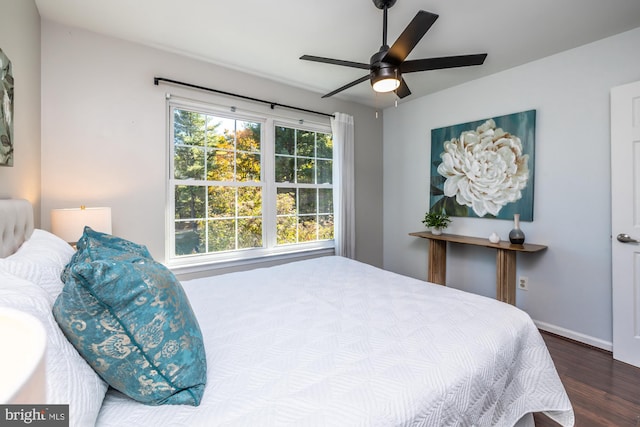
625,221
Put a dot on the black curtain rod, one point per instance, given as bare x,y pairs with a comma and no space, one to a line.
157,80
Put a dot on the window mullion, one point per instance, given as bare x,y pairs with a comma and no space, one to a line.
207,220
269,196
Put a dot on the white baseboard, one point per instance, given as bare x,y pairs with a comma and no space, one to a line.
576,336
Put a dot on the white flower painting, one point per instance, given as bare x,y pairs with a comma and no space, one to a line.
484,168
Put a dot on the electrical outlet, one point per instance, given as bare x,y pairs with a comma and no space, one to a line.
523,283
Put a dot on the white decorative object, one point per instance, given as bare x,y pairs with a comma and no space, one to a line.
494,238
22,363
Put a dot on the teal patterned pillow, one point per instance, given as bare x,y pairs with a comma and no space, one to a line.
132,322
94,245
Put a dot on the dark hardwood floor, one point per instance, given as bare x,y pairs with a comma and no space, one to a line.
603,391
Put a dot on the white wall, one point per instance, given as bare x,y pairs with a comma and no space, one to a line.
570,283
104,131
20,41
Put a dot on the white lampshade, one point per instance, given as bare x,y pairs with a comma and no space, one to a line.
69,224
22,360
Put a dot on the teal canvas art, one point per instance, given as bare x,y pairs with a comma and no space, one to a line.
484,168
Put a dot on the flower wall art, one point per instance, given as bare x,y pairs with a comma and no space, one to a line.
6,111
484,168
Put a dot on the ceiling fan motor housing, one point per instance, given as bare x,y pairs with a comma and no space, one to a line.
382,70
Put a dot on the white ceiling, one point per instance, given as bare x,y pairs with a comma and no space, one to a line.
266,38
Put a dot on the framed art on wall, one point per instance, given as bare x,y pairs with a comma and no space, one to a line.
6,111
484,168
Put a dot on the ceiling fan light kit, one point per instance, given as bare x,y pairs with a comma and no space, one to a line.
388,64
385,80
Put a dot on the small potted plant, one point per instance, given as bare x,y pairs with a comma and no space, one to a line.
436,221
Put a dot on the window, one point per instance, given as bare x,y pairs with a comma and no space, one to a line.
243,186
303,177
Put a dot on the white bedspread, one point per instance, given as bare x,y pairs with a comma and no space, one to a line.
333,342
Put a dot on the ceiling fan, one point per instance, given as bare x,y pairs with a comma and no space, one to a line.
387,66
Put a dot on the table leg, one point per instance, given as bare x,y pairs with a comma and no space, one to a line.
437,262
506,276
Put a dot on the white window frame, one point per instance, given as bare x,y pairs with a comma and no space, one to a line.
270,250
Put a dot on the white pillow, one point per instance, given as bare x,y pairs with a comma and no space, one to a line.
40,260
70,380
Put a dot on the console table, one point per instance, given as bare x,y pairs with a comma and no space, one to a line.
505,260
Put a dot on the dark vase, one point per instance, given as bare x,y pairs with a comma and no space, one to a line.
516,236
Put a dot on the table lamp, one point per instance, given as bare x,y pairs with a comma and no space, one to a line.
68,224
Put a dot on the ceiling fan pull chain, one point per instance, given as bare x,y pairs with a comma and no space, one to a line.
375,96
395,91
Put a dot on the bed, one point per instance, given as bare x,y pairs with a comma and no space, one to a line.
322,342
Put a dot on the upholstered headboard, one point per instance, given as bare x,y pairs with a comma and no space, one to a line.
16,224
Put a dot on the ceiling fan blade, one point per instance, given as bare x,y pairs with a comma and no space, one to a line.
410,37
335,61
403,89
347,86
442,62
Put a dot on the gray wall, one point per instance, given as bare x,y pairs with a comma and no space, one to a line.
20,41
570,283
104,131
